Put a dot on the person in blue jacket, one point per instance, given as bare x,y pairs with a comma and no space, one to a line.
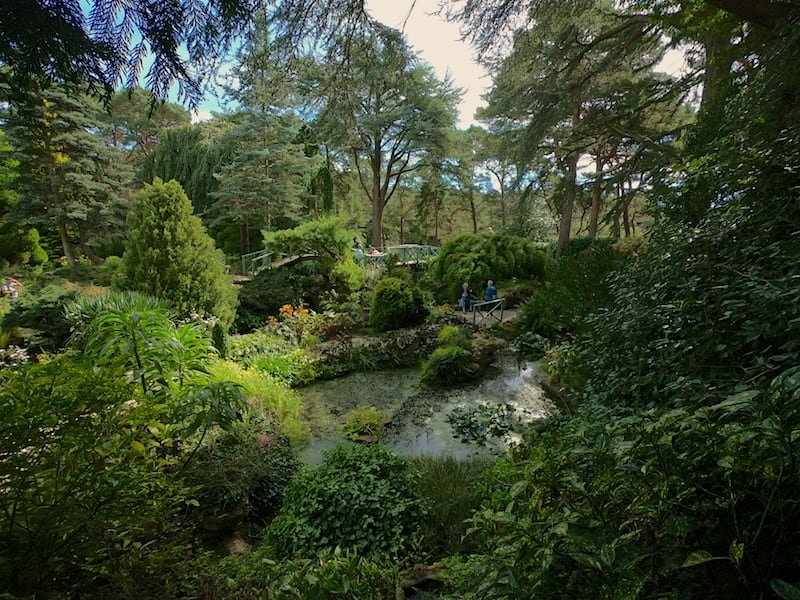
491,291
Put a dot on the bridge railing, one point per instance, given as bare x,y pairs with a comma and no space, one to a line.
403,254
253,262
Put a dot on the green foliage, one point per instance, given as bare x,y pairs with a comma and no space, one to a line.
580,244
295,367
476,258
480,423
449,365
245,348
365,421
327,237
636,506
346,276
220,339
395,305
81,311
84,471
299,284
113,273
450,335
266,397
41,308
363,498
448,486
700,310
170,256
21,247
257,575
243,472
576,286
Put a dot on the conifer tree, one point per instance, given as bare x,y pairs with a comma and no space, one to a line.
170,255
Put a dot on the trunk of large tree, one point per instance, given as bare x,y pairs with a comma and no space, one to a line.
473,211
377,197
244,238
502,205
570,190
597,190
617,210
86,250
66,244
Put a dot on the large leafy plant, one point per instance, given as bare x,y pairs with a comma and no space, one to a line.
363,498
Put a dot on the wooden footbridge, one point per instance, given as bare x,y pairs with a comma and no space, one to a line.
405,254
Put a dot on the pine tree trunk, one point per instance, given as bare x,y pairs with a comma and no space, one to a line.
597,189
66,244
570,190
244,238
86,250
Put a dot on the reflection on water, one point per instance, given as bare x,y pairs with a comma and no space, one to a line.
419,415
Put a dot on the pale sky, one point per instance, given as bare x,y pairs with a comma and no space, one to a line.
437,42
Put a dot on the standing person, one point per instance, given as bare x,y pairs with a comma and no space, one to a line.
465,301
491,291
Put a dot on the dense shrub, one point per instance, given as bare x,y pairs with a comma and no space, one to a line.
451,335
449,365
476,258
699,502
395,305
268,397
299,284
21,247
170,255
449,488
42,309
81,311
243,472
575,286
363,498
700,310
82,478
582,243
256,576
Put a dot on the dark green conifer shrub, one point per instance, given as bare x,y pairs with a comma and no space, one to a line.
395,305
169,255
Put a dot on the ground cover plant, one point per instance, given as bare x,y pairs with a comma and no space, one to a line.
362,498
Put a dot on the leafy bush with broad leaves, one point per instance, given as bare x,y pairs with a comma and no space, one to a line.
395,305
334,574
698,311
575,286
85,472
169,255
476,258
243,472
362,498
697,500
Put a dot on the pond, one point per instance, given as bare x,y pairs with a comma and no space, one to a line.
420,417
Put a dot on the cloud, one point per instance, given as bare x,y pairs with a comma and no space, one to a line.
199,116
